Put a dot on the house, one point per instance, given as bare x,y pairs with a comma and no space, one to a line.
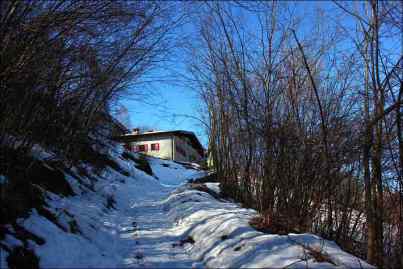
177,145
109,125
117,128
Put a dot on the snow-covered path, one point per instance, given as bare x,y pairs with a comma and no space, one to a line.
152,242
139,220
155,245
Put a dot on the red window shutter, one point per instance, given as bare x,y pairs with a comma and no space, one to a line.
140,148
127,147
155,147
145,147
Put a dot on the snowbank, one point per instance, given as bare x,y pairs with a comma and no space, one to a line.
224,239
130,218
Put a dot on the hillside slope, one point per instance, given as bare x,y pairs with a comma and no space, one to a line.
138,212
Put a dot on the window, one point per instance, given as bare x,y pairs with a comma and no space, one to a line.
142,148
155,147
128,147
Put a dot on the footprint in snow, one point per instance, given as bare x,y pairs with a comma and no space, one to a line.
139,256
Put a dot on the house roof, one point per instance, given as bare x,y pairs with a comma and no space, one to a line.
116,122
193,138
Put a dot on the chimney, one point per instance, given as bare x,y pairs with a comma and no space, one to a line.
136,131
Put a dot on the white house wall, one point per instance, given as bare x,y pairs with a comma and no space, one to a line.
165,151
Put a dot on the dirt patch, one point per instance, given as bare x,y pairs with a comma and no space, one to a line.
316,252
99,160
224,237
140,163
202,187
110,202
187,165
21,257
26,179
115,166
74,228
283,226
212,177
24,235
49,178
277,224
319,255
128,156
51,217
18,194
139,256
190,200
18,198
182,242
83,173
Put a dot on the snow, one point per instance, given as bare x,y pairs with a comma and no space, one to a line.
224,239
40,153
65,249
12,241
162,223
215,187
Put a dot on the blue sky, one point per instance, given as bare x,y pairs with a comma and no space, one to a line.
160,108
169,105
167,108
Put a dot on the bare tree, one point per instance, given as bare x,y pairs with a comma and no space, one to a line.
301,130
64,63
